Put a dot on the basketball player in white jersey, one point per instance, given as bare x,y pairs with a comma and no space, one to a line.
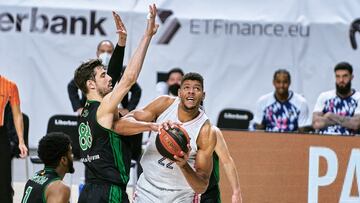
164,180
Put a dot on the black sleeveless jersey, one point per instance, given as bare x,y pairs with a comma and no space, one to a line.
105,155
35,187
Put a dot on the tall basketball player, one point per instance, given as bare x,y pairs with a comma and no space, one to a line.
102,149
181,180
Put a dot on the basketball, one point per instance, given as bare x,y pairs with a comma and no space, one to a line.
172,141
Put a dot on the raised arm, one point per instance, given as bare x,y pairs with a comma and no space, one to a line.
135,97
111,100
117,58
74,97
228,163
199,179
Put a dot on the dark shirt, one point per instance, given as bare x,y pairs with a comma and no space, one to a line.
35,187
103,151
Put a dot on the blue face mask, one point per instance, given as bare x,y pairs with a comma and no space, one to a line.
105,58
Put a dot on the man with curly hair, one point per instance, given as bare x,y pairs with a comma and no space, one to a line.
46,185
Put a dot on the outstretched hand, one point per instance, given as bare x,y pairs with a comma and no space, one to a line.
151,25
120,29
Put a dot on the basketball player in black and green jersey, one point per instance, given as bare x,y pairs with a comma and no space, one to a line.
212,194
103,150
47,185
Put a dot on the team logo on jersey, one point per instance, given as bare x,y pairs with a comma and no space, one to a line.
85,137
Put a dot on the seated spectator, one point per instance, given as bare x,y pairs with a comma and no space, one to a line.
282,110
337,111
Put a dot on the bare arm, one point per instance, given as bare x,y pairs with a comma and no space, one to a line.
111,100
345,121
222,151
139,120
152,110
19,126
130,126
57,192
321,120
199,179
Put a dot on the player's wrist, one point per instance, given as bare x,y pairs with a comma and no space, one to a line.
122,41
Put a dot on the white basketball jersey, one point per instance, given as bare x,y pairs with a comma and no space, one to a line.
162,172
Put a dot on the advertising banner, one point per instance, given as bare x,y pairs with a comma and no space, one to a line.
276,167
235,45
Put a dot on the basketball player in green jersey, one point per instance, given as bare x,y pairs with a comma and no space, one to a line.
212,194
103,150
47,185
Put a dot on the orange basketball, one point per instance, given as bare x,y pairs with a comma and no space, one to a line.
172,141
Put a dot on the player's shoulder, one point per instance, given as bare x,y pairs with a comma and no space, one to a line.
299,98
58,190
356,95
327,94
266,98
160,104
58,184
208,132
165,98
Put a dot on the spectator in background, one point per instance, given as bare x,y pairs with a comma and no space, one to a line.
172,84
282,110
9,93
338,111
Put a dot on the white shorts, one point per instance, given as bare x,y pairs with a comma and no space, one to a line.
147,192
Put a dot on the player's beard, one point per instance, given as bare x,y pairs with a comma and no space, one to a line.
344,90
103,92
71,167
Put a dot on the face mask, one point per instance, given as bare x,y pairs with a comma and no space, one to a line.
173,89
105,58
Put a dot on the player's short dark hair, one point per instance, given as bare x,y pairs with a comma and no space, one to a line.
175,70
284,71
103,41
193,76
344,66
86,71
52,147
